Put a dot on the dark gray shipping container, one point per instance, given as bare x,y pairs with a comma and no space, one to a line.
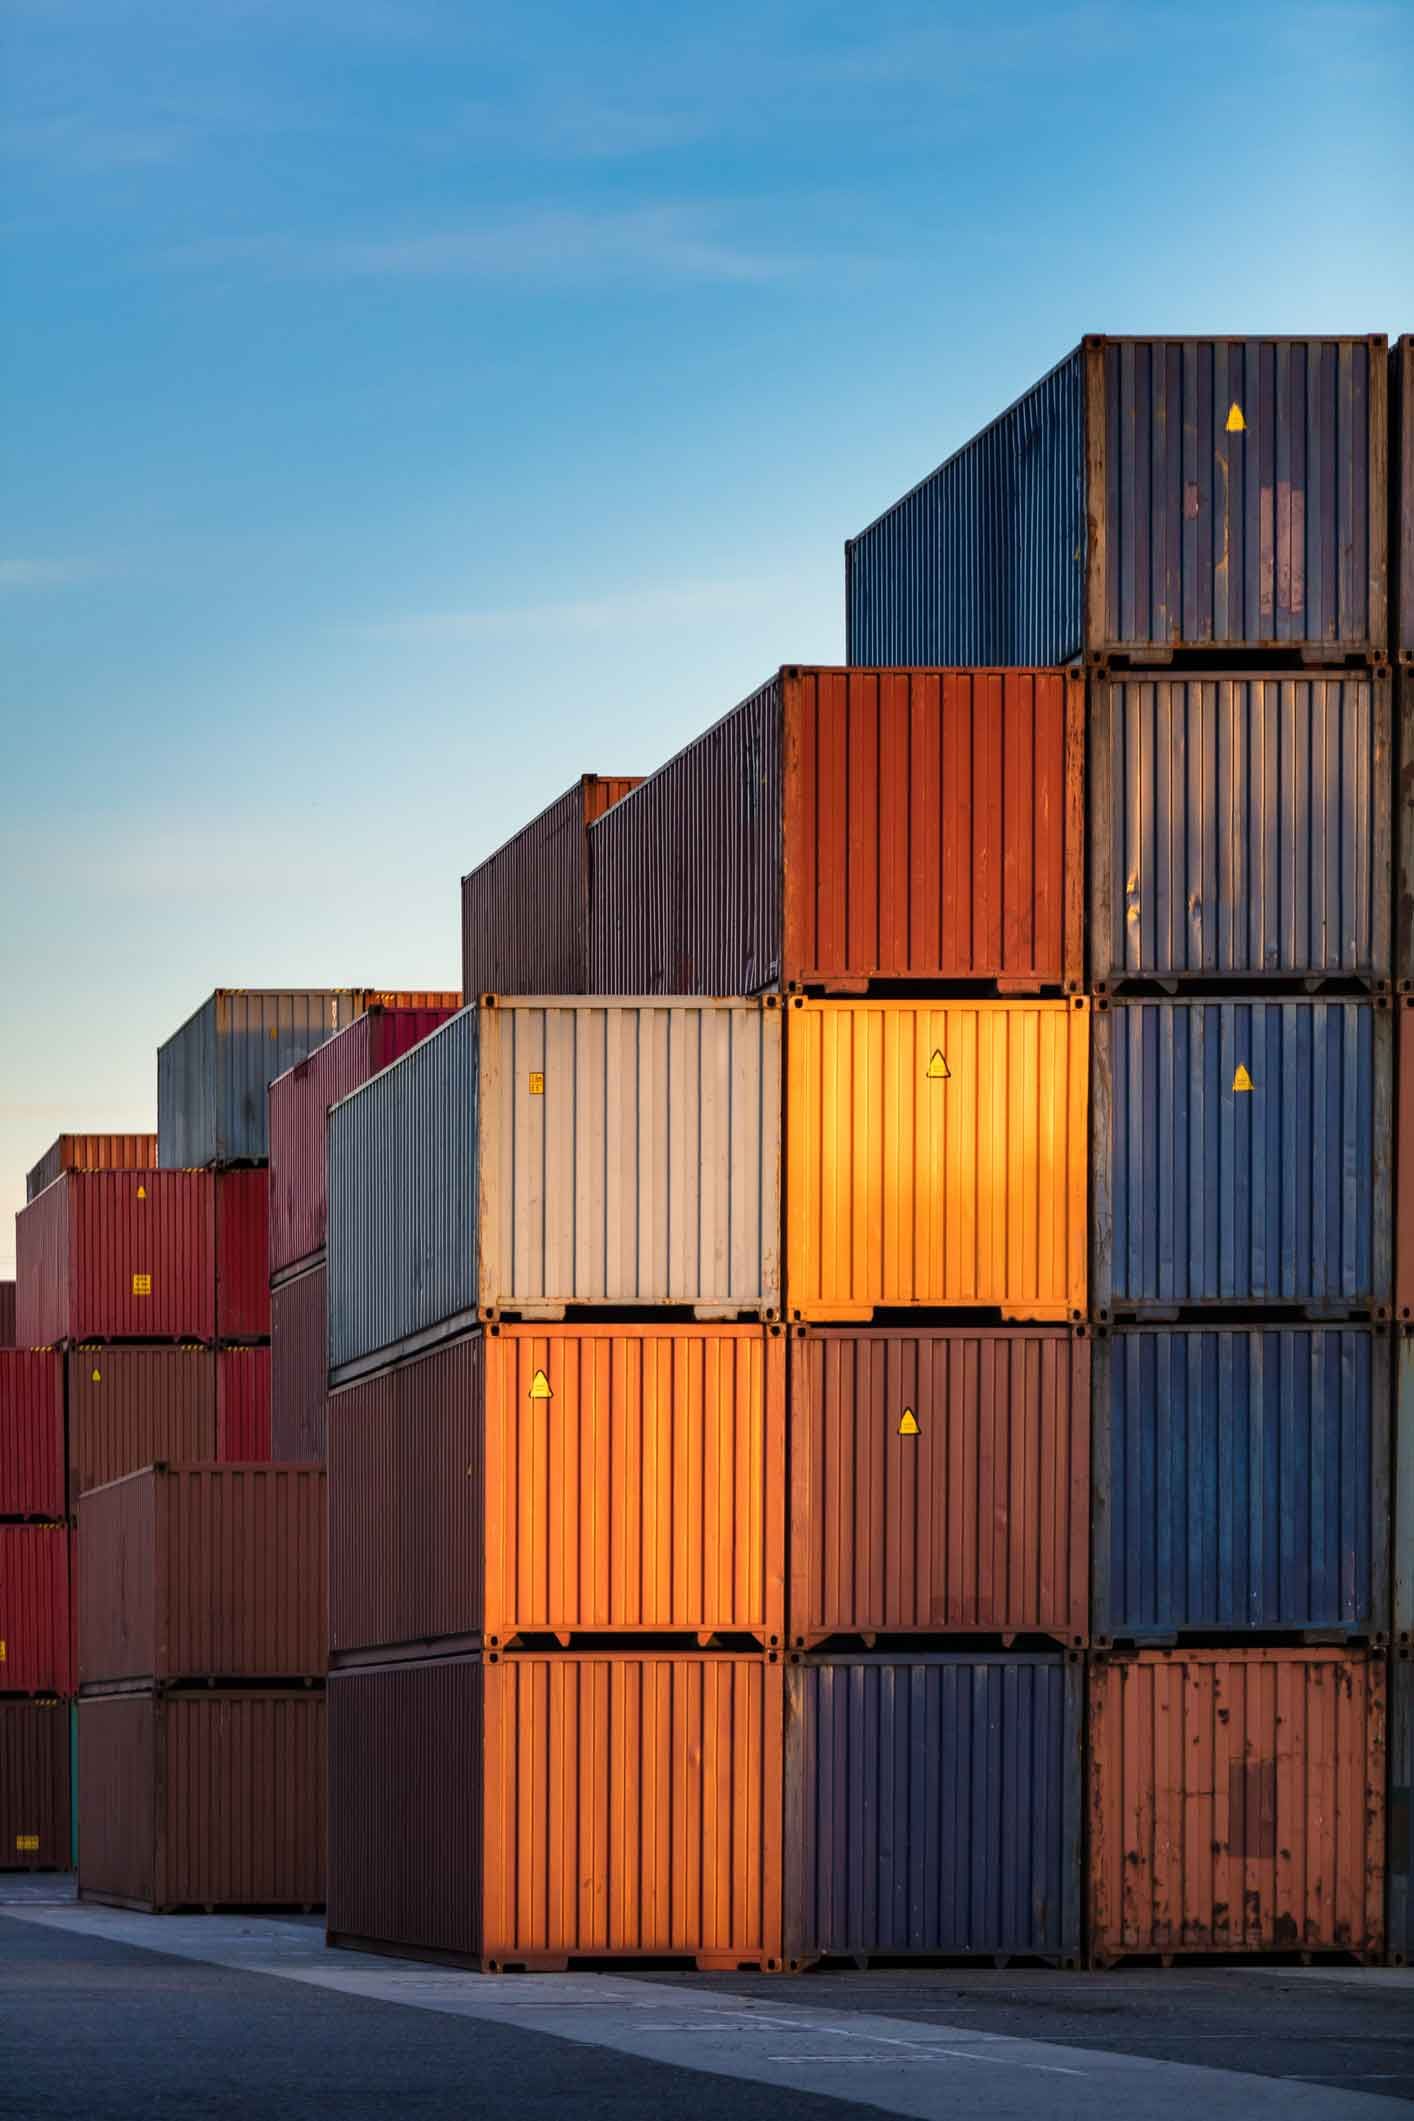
1400,1825
1241,1155
933,1806
525,909
1147,496
213,1074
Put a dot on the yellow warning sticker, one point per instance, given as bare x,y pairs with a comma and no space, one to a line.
2,1649
938,1070
96,1378
142,1285
1236,425
1242,1080
142,1193
537,1083
540,1386
28,1842
909,1426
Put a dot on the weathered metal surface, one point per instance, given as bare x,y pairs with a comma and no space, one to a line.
203,1572
202,1800
7,1314
940,1483
36,1616
1403,1513
33,1473
933,1805
243,1406
1237,1802
1401,1808
117,1255
212,1074
129,1407
1240,828
1147,496
1241,1481
1404,828
1241,1154
851,827
34,1785
937,1156
91,1152
1401,472
1404,1181
299,1367
525,910
242,1255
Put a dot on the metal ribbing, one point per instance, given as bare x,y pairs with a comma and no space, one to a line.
240,1792
129,1407
299,1367
33,1475
36,1628
213,1074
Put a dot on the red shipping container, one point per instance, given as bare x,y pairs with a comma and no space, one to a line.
91,1152
525,909
7,1314
118,1255
129,1407
243,1406
299,1368
242,1255
299,1108
34,1785
33,1478
36,1621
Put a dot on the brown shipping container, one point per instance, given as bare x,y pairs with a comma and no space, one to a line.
846,827
34,1785
1237,1802
940,1484
118,1255
36,1611
545,1808
130,1407
91,1152
7,1314
299,1368
525,910
203,1572
562,1480
202,1800
243,1406
1404,1180
33,1476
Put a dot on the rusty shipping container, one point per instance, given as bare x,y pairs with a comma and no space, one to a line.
34,1785
1402,495
242,1216
1241,1482
1401,1808
129,1407
118,1255
842,829
1404,1183
1147,497
299,1102
243,1406
299,1368
203,1572
551,1808
940,1484
213,1073
934,1805
1237,1802
562,1480
36,1613
534,1155
202,1800
7,1314
91,1152
1403,1526
33,1474
526,908
1240,829
936,1154
1241,1155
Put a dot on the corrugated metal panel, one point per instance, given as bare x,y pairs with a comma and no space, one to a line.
1241,1481
1401,472
202,1572
974,1520
1237,1802
205,1800
1404,828
525,910
243,1406
212,1074
34,1785
129,1407
91,1152
36,1623
1241,827
121,1255
933,1804
937,1156
1208,1192
33,1474
242,1255
1403,1541
1401,1809
299,1368
1404,1184
7,1314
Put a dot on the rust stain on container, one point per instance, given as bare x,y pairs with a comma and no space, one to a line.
129,1407
242,1255
525,910
36,1617
34,1785
118,1255
33,1475
937,1156
1237,1802
91,1152
243,1406
974,1518
299,1368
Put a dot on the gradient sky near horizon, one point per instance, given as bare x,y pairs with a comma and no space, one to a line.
413,404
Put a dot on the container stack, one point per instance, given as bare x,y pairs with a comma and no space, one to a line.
1401,1892
36,1632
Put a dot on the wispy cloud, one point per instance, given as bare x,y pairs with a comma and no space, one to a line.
40,574
653,604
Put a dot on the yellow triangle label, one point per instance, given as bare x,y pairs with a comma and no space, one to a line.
938,1070
540,1386
97,1378
908,1426
142,1193
1242,1080
1236,425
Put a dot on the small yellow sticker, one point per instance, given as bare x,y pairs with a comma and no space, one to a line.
1242,1080
540,1386
142,1193
1236,425
908,1426
2,1649
537,1083
938,1070
28,1842
96,1378
142,1285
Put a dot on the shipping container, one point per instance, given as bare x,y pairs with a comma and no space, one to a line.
33,1474
561,1481
36,1615
1241,1482
1404,829
1404,1184
549,1808
1403,1519
933,1806
7,1314
1147,497
205,1800
1241,1156
299,1368
91,1152
212,1074
1402,495
1401,1808
118,1255
130,1407
846,829
1240,829
531,1156
203,1572
242,1255
936,1154
243,1406
940,1484
525,909
1237,1802
34,1785
299,1102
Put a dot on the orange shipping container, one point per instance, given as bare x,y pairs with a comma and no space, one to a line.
1237,1802
936,1156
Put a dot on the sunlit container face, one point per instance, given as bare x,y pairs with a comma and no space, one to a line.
91,1152
525,909
936,1155
131,1407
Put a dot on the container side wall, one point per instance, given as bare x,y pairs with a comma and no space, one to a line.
1401,1809
36,1624
34,1786
1403,1540
1404,1184
43,1254
91,1152
299,1368
121,1633
129,1407
33,1475
213,1074
117,1798
242,1794
1402,495
525,911
118,1254
242,1255
243,1406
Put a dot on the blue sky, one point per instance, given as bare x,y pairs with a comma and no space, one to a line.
411,405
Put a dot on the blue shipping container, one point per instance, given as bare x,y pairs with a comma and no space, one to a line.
1241,1155
1241,1481
933,1805
213,1074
